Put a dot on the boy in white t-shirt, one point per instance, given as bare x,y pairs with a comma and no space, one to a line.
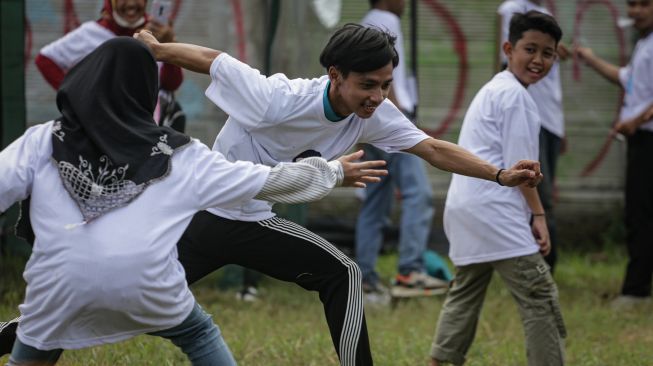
636,123
548,93
492,228
274,119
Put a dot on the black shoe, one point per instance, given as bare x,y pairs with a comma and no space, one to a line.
8,335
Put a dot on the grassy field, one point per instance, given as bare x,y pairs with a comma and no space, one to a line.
287,328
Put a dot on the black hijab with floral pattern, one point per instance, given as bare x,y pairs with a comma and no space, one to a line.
106,145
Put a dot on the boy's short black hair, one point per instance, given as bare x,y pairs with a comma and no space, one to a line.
360,49
533,20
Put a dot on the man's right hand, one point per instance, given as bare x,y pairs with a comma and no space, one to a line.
148,38
523,172
357,173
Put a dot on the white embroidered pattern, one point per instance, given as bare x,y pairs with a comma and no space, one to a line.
97,191
162,147
56,130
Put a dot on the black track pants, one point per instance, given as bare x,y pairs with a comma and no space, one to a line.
289,252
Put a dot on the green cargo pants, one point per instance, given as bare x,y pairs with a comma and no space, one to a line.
529,280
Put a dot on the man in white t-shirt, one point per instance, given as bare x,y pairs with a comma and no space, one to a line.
407,174
274,119
110,194
492,228
636,123
548,93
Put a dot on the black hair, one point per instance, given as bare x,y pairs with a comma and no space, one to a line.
533,20
359,49
373,3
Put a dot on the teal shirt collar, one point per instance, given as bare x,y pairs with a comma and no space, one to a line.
329,113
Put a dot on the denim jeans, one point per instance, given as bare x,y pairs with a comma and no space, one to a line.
408,174
197,337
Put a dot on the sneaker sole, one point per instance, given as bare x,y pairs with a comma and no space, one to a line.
398,291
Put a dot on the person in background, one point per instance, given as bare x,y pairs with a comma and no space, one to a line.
492,228
408,175
118,18
548,94
636,123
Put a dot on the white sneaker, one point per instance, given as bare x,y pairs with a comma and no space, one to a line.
626,302
248,294
375,294
418,284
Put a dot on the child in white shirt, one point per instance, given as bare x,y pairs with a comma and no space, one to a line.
492,228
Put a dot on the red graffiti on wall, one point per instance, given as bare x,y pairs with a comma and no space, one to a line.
583,7
71,21
27,49
240,30
460,47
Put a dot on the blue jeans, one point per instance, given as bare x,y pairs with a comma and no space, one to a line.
408,174
197,337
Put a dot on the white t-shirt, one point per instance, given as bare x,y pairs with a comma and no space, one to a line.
637,81
68,50
118,275
391,23
484,221
277,119
548,91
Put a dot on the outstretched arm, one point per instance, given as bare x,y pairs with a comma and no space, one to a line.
453,158
188,56
604,68
313,178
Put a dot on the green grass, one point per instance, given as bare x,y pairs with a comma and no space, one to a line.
288,328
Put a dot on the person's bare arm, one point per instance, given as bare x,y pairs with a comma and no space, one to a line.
539,228
188,56
604,68
453,158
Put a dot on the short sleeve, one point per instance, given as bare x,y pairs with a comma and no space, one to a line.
18,163
75,45
624,75
240,91
390,131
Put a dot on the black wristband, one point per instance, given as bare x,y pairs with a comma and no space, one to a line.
497,177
